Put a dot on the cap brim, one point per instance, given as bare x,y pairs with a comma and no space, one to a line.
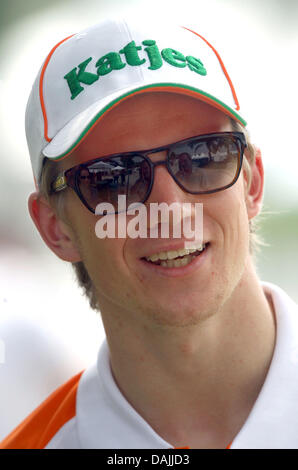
75,131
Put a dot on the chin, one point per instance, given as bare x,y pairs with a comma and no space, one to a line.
182,314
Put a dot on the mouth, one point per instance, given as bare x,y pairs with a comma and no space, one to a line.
176,259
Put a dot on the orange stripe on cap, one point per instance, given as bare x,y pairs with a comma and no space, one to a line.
41,88
222,66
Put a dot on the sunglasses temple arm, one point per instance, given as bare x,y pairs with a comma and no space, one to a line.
59,184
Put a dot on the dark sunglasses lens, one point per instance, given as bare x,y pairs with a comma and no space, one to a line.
205,165
104,180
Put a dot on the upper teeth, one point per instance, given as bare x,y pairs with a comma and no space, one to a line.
164,255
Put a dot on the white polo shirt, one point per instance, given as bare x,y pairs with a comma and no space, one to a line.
105,420
89,411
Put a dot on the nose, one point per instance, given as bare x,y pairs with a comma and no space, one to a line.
164,187
165,190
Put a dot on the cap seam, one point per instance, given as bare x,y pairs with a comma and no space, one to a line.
236,102
41,82
140,69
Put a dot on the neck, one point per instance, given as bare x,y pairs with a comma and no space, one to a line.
206,377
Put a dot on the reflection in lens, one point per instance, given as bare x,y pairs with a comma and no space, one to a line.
205,165
104,180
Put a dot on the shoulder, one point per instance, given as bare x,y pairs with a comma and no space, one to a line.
46,420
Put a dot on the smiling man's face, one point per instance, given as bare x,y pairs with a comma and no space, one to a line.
128,285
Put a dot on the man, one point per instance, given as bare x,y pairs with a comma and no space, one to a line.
199,352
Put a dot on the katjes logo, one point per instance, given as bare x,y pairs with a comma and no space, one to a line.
129,55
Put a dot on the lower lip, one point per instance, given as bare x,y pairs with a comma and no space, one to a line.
177,272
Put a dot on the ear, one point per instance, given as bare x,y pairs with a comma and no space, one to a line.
54,232
254,195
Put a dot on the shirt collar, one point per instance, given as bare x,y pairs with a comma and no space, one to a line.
273,420
105,419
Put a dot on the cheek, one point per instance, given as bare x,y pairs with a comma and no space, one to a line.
109,272
101,255
233,218
98,254
103,258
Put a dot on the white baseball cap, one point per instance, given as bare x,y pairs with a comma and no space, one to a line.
87,74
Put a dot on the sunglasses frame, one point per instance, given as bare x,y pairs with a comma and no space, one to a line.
69,178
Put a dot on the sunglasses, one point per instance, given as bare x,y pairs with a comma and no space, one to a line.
203,164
